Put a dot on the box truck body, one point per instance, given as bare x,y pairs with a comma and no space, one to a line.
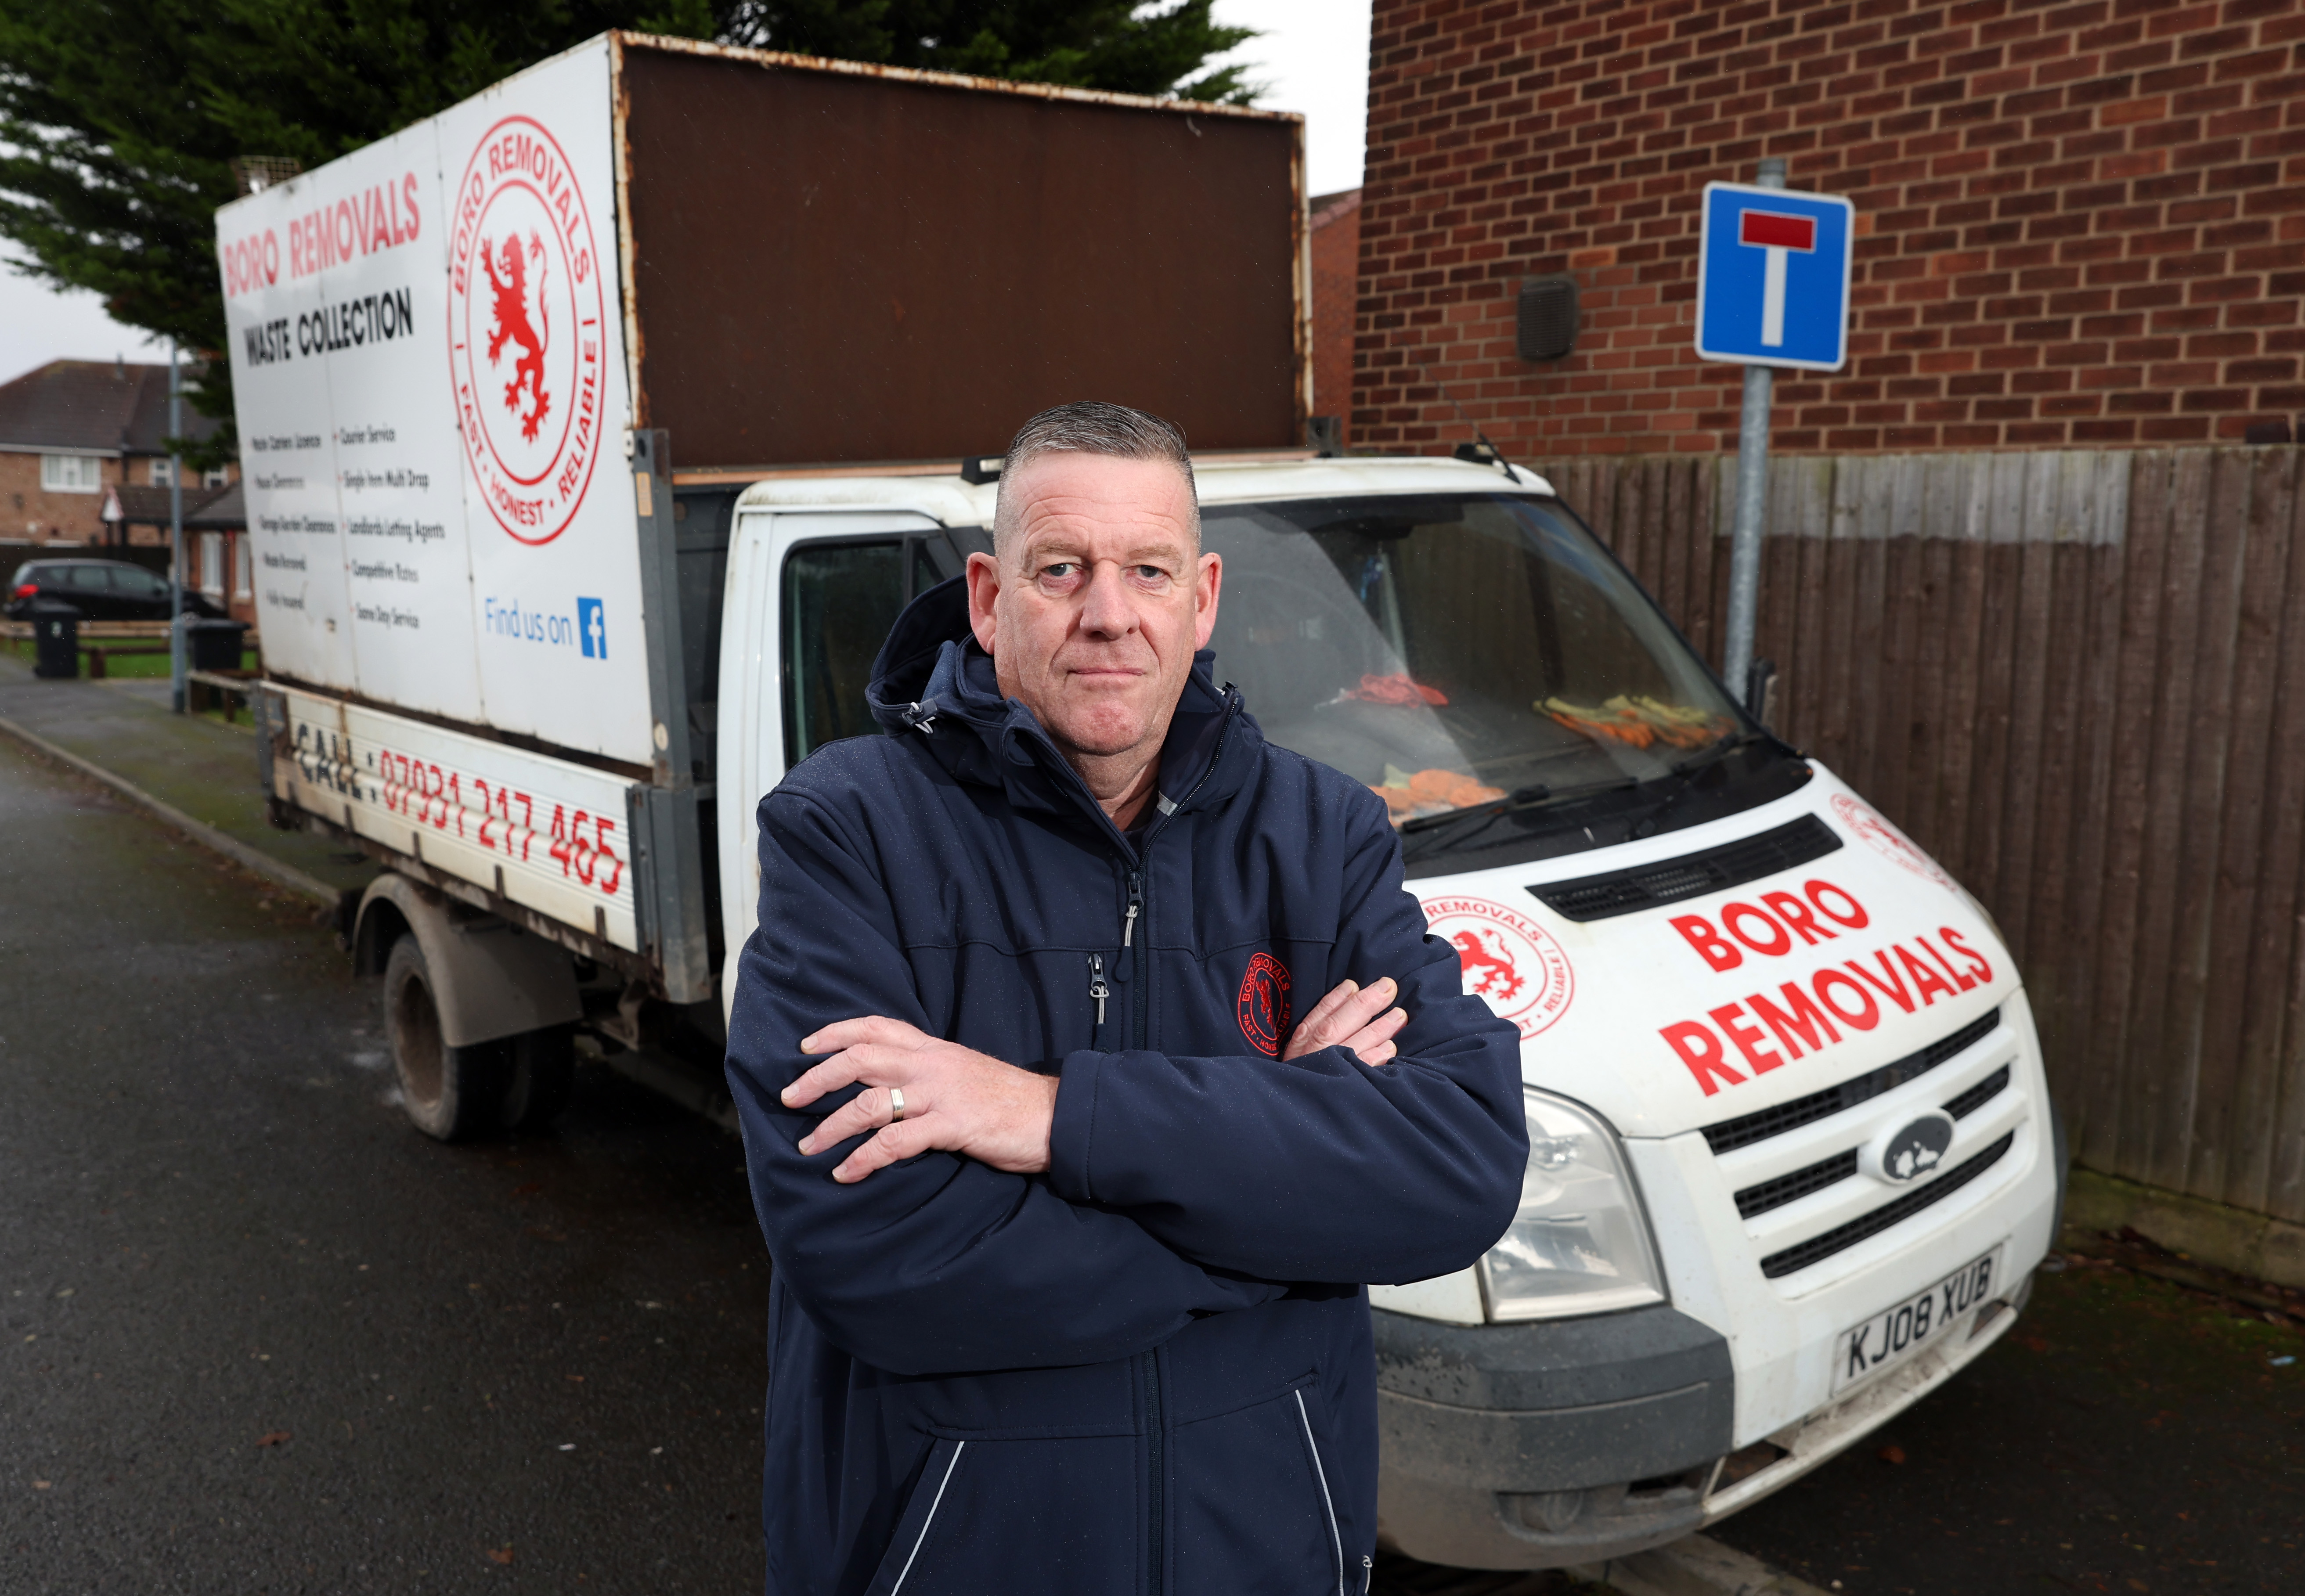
464,357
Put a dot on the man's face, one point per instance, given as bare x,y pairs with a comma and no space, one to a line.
1093,610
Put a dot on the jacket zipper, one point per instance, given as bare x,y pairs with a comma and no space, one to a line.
1135,1024
1140,981
1133,1036
1154,1527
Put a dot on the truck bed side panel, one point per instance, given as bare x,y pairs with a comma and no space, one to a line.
543,833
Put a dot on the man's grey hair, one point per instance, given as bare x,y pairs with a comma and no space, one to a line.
1091,427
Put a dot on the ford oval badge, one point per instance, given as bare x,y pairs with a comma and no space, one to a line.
1909,1150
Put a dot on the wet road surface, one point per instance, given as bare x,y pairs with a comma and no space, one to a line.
2127,1435
259,1335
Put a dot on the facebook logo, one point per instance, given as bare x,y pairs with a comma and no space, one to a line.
1773,276
592,628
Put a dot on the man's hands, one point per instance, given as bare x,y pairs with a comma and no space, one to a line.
956,1100
959,1101
1354,1016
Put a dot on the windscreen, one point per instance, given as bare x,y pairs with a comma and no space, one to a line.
1452,650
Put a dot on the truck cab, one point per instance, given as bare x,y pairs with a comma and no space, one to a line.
1793,1160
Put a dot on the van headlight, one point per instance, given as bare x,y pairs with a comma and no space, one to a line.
1580,1241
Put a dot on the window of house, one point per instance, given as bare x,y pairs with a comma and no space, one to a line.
163,472
216,478
243,574
212,564
71,473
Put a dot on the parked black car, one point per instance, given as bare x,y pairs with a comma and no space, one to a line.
100,590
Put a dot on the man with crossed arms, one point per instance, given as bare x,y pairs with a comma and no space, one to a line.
1070,1222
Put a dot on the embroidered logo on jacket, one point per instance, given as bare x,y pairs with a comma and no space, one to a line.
1265,1004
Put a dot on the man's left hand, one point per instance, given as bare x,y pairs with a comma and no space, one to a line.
956,1100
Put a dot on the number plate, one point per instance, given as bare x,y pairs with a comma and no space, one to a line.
1895,1334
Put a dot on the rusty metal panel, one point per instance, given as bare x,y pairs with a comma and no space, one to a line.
838,264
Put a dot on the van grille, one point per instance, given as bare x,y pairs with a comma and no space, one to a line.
1793,1259
1744,1131
1765,1195
1791,1188
1692,875
1968,1102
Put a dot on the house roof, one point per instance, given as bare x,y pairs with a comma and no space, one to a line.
221,509
143,505
108,406
1326,208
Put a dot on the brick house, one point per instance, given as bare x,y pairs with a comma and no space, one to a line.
2033,563
72,428
2080,224
1336,229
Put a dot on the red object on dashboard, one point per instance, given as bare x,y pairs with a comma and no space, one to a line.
1395,689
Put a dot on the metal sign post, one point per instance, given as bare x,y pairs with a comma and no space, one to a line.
1772,290
176,538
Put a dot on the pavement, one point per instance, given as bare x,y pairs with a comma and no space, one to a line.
257,1333
198,769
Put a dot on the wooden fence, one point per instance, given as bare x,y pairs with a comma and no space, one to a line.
2078,679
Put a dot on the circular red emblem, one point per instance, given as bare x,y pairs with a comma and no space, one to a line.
1265,1004
1886,840
527,329
1518,966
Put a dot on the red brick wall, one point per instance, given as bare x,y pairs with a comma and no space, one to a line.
27,510
2079,225
1336,282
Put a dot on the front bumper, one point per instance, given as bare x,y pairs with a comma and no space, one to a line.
1558,1443
1565,1442
1547,1444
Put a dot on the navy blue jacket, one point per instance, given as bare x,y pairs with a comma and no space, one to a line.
1149,1368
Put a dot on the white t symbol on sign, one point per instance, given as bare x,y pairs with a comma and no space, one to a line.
1778,233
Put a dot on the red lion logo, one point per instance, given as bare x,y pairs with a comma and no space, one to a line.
513,322
1263,1004
1492,973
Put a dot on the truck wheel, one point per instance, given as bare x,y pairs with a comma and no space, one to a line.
450,1093
543,1070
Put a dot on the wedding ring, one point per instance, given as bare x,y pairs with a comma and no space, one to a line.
896,1105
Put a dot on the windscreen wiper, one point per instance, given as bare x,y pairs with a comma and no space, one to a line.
1687,771
1716,753
1434,834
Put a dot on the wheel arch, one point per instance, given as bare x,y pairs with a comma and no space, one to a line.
489,978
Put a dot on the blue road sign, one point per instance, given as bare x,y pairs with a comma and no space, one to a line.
1772,278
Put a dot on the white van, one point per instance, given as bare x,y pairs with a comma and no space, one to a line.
1793,1160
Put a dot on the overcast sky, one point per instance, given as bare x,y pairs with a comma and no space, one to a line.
1314,55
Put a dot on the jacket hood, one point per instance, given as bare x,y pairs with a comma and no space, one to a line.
932,680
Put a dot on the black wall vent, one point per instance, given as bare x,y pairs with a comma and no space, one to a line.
1692,875
1546,326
